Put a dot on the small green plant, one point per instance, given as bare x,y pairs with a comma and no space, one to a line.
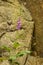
19,54
16,45
12,58
5,48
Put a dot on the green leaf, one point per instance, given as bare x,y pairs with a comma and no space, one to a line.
16,45
6,48
19,54
12,58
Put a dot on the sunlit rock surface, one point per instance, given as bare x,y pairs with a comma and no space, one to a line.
10,12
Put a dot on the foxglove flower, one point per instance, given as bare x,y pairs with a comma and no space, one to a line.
19,24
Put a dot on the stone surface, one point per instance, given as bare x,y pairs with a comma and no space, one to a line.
34,61
23,37
10,12
5,62
36,9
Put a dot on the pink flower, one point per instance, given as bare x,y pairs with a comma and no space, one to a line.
19,24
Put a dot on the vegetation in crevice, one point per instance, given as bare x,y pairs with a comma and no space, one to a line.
12,58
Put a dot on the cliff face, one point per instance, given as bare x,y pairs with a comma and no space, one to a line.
12,12
36,9
16,25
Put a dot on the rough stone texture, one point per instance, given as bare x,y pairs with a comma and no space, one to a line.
36,9
10,12
25,41
23,35
5,63
34,61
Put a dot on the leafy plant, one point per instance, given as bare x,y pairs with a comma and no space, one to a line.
19,54
2,58
5,48
16,45
12,58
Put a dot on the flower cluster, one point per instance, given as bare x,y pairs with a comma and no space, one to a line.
19,24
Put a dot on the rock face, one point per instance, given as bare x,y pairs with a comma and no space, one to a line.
34,61
9,16
12,12
5,63
36,8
